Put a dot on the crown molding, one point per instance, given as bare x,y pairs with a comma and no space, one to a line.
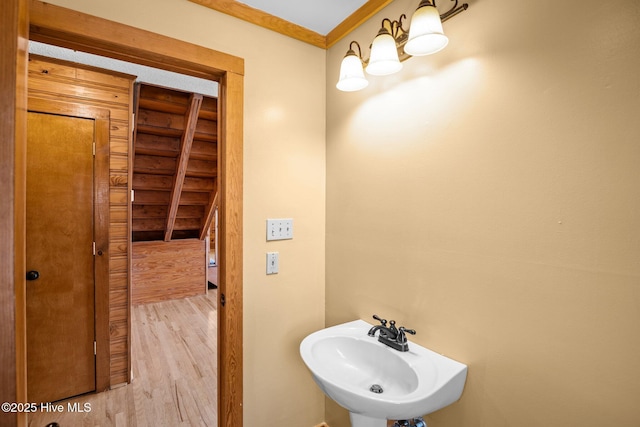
279,25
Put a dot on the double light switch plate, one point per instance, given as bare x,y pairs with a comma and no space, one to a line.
277,229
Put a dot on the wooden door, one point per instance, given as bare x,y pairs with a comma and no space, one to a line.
60,257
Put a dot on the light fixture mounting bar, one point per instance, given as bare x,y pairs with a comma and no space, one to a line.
453,11
394,44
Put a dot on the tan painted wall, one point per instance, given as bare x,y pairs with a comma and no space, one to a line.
489,197
284,164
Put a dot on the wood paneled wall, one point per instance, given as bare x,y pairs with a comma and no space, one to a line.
168,270
175,165
67,82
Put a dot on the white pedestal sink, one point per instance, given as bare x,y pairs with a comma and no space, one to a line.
358,420
376,383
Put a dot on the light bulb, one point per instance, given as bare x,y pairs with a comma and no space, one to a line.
384,55
351,73
425,34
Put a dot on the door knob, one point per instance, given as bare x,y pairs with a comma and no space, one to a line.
32,275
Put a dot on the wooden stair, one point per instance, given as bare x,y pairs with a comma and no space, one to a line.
175,164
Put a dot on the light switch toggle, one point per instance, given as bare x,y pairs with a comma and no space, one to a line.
272,262
280,229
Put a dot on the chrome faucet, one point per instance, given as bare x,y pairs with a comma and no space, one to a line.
391,336
382,327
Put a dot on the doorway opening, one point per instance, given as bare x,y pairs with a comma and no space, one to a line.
67,28
184,368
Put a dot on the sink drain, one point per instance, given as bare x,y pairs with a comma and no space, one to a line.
376,389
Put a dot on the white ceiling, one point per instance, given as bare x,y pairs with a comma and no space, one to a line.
319,16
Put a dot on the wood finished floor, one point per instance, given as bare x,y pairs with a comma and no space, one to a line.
174,349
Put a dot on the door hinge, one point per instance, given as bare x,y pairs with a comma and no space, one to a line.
94,248
95,348
223,300
133,122
94,148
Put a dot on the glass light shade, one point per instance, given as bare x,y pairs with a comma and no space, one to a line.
384,55
425,34
351,74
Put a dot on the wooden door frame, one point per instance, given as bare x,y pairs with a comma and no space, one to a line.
14,22
101,118
75,30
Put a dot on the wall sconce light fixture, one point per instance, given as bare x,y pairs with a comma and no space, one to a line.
394,44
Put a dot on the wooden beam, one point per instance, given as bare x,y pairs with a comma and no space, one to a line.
155,165
157,224
156,145
210,210
191,120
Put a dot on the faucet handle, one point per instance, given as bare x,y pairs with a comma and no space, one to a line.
383,321
402,338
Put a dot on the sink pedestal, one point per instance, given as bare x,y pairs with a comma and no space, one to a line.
359,420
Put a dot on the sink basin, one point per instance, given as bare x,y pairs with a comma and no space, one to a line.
376,383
